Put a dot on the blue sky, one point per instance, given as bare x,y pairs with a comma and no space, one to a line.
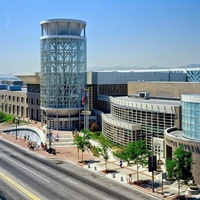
125,33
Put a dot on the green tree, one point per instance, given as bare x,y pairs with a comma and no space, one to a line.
138,153
180,166
104,153
2,117
85,131
5,117
81,142
86,137
170,169
97,134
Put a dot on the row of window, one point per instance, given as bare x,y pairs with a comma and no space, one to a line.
54,103
152,123
191,106
113,89
7,99
122,136
191,120
157,122
64,125
118,135
62,44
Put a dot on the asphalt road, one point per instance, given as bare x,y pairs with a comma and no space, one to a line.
7,191
29,175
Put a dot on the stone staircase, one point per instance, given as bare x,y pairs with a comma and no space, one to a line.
64,140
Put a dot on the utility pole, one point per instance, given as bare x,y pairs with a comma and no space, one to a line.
49,132
152,165
86,106
50,135
152,147
16,121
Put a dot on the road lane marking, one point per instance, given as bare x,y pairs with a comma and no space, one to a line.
27,169
40,166
19,187
71,181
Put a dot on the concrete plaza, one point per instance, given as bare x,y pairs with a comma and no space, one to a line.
126,175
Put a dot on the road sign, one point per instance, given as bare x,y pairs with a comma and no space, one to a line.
164,175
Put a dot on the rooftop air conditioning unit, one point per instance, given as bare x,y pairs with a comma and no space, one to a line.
144,95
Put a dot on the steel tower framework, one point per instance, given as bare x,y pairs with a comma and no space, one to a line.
63,71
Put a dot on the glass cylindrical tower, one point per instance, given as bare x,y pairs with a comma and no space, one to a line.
63,71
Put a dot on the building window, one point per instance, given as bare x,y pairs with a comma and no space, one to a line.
157,149
37,102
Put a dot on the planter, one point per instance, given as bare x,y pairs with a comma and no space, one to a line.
193,189
168,182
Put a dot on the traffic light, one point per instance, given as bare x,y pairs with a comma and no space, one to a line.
152,163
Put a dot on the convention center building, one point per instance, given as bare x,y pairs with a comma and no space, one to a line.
189,135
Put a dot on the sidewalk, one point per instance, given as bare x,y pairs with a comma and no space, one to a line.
126,175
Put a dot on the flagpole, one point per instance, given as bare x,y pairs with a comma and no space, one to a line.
84,110
86,100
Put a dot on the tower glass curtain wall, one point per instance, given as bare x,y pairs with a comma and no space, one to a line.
63,68
191,116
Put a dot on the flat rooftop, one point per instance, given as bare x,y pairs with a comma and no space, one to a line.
179,134
149,101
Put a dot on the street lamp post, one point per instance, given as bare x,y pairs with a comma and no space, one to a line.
152,161
85,102
49,132
49,136
152,157
16,121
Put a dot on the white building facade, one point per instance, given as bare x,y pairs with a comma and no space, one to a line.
132,119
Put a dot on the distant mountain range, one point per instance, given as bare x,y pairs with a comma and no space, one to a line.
118,68
8,76
114,68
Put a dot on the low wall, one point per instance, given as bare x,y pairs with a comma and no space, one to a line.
32,134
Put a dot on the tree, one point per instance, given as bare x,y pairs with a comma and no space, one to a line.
170,169
97,133
81,143
2,117
180,166
94,127
104,153
85,130
138,153
86,137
